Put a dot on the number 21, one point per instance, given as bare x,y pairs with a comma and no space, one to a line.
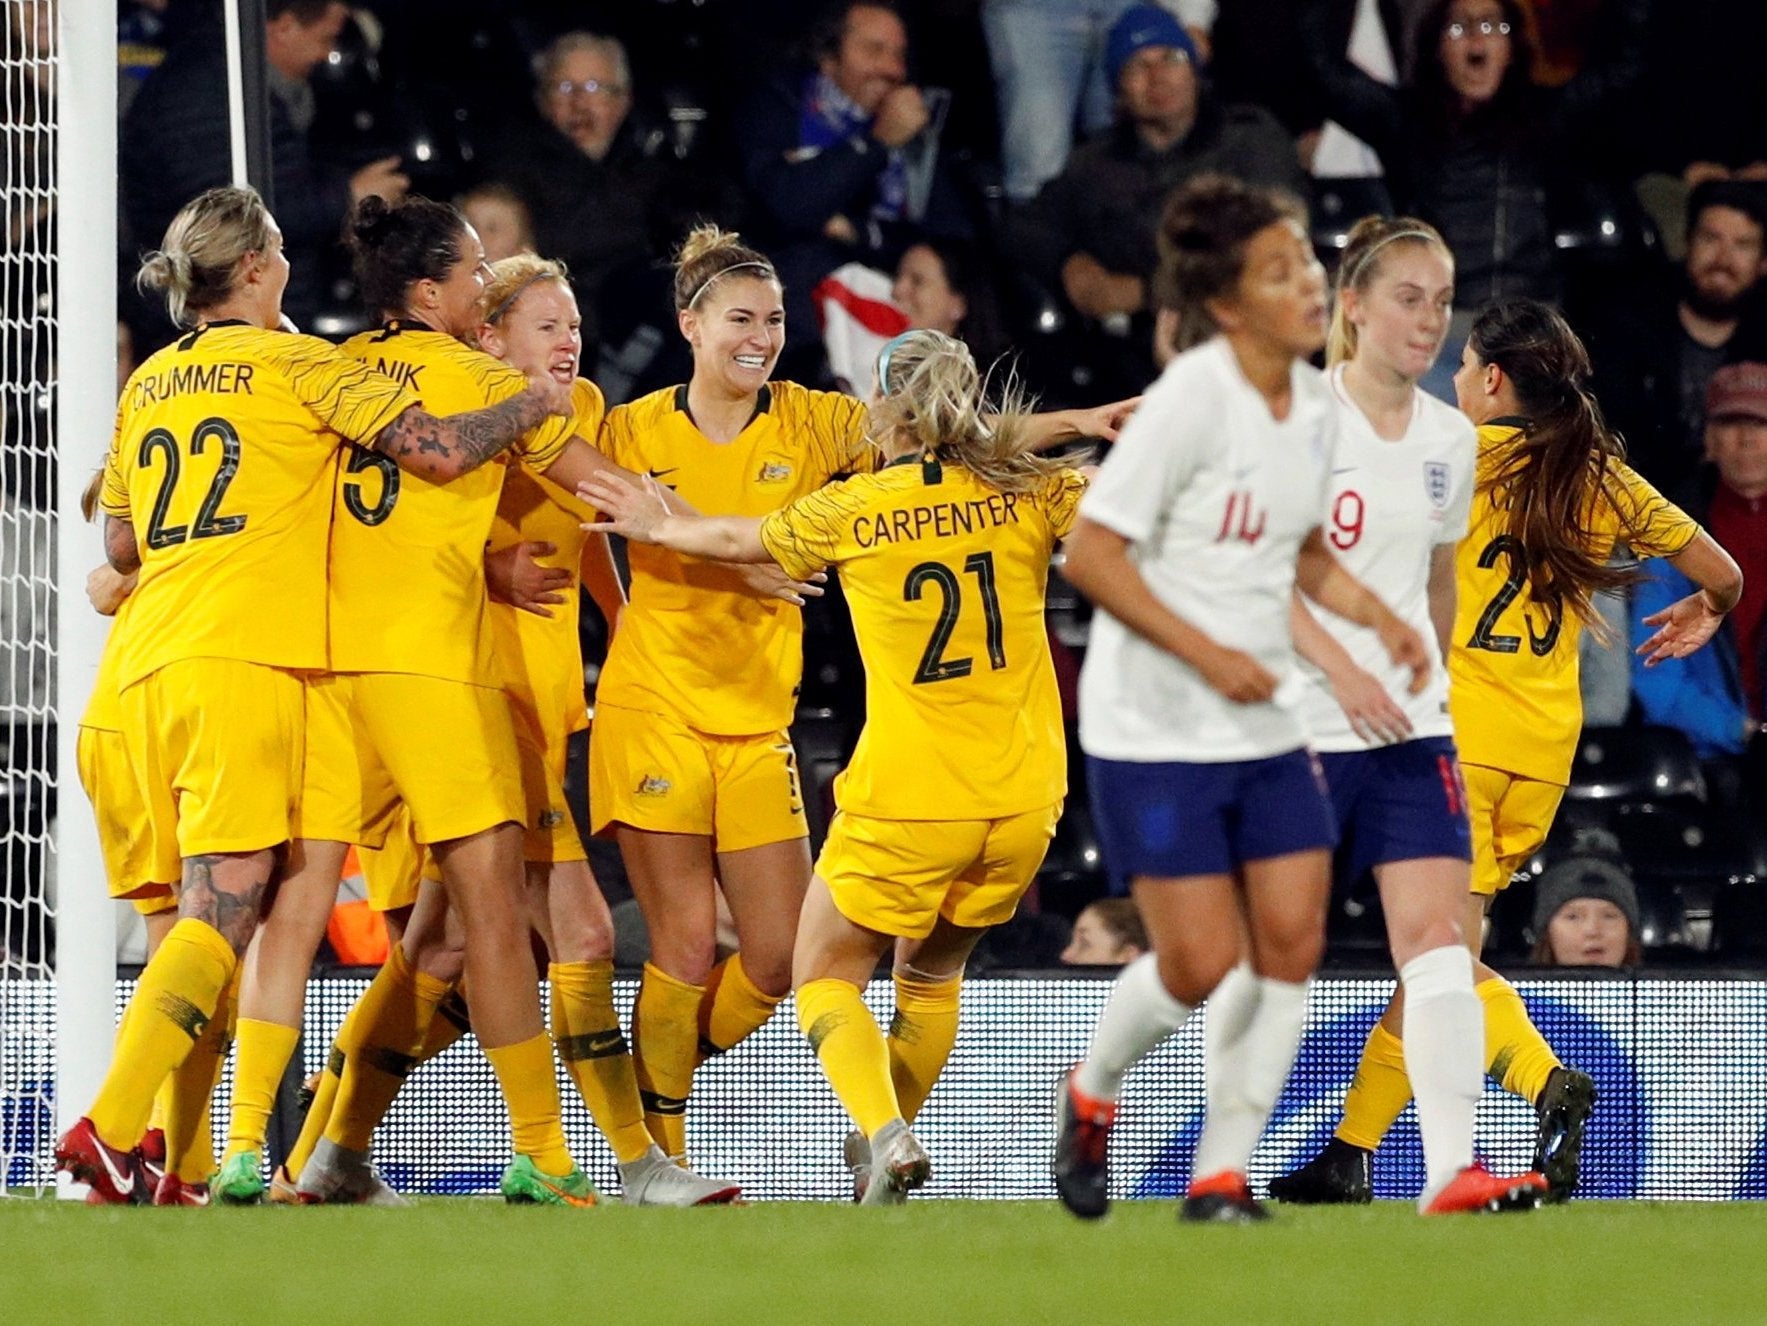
934,666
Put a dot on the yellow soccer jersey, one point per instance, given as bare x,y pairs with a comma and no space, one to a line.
694,643
945,577
224,458
407,555
104,711
1512,673
542,657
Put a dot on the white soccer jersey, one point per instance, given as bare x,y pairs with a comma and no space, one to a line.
1215,497
1390,504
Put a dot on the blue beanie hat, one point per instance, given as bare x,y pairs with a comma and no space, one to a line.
1142,26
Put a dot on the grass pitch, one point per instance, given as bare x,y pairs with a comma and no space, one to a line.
965,1263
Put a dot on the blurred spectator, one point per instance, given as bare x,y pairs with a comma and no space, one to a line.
609,199
1107,933
1716,695
945,284
1654,350
843,163
1473,146
1049,74
175,144
502,219
1586,915
1090,233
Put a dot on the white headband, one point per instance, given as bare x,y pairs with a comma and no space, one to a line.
1349,278
725,271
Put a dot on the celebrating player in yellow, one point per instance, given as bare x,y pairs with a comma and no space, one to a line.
218,487
1553,496
413,712
953,793
691,767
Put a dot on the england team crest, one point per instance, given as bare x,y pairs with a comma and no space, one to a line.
1435,482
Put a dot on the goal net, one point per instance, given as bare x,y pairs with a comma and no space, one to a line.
57,273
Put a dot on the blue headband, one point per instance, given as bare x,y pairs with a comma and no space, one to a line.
895,343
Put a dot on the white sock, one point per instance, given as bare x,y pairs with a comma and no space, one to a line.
1139,1014
1228,1014
1247,1079
1444,1032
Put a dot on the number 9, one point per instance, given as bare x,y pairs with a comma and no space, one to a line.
1346,520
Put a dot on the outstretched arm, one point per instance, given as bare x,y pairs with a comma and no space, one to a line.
1685,626
640,514
441,449
1051,428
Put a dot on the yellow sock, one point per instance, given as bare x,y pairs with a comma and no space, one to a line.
665,1033
178,994
850,1044
530,1089
732,1008
392,1022
156,1117
190,1144
1378,1093
1518,1055
264,1051
324,1098
586,1031
921,1036
450,1023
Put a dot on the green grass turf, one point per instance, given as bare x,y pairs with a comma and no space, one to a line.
967,1263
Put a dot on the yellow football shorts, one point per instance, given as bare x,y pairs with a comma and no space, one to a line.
216,746
898,877
125,837
391,872
548,833
445,748
1510,817
654,772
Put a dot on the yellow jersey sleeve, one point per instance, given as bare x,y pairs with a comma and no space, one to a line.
1649,523
350,398
834,432
1061,500
807,535
113,492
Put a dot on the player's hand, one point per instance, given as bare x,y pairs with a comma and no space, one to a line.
1237,675
768,581
107,588
516,576
1682,629
1372,713
552,394
1105,421
1406,648
900,116
633,511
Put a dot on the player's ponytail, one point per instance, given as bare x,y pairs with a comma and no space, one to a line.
1560,470
1202,237
197,264
1371,240
393,246
933,396
707,255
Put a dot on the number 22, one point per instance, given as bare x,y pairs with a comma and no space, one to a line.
210,524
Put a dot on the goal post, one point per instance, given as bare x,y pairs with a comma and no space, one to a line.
85,357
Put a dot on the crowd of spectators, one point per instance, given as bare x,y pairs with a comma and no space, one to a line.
1000,165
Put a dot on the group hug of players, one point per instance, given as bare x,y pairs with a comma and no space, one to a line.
345,584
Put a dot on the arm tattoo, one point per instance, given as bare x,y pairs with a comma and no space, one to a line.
443,449
231,908
120,548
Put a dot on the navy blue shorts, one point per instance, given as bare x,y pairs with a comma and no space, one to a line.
1173,820
1398,803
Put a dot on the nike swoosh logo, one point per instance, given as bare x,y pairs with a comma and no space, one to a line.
569,1199
662,474
123,1183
